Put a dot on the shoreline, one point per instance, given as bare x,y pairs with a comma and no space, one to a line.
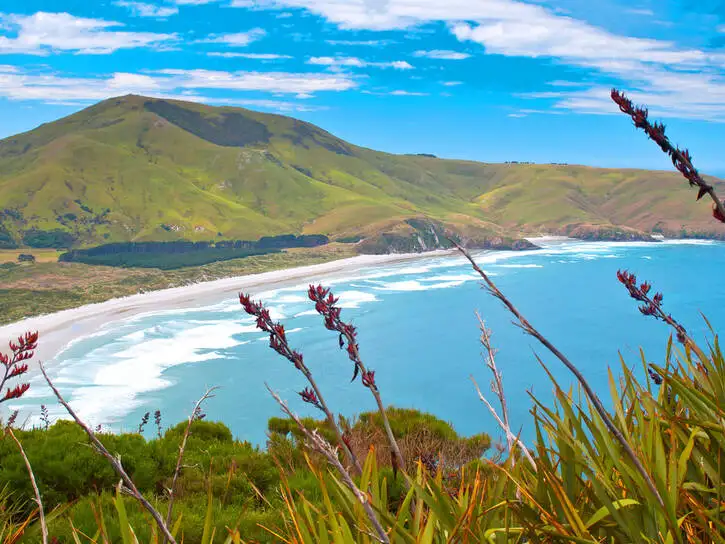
58,330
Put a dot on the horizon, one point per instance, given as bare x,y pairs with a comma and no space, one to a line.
394,77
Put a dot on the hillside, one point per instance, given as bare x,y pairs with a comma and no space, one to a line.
135,168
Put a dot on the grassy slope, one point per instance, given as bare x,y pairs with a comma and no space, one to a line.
148,171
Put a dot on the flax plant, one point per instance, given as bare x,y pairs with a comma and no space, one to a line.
325,304
278,342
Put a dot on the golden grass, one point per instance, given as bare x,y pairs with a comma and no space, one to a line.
41,255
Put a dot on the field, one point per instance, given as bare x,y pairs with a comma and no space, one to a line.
41,255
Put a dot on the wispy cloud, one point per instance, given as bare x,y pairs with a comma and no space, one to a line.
680,81
49,87
354,62
407,93
398,92
142,9
441,54
194,2
370,43
252,56
45,33
274,82
238,39
640,11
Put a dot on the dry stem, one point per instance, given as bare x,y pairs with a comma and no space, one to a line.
182,447
596,402
36,491
115,462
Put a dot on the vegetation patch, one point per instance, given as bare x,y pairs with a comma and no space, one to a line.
229,129
55,238
182,253
160,260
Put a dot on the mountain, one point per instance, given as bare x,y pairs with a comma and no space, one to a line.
136,168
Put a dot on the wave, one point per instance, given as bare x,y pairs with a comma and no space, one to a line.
306,312
353,299
520,265
453,277
690,242
414,285
106,383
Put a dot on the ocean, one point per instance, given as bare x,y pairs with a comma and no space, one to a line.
417,329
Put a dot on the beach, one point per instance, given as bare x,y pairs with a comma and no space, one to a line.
58,329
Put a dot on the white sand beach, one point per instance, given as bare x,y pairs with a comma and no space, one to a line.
58,329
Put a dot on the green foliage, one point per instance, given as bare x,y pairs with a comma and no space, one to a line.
201,430
182,253
582,489
243,481
55,238
162,261
6,239
404,421
67,468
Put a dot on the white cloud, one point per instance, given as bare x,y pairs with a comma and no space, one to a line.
640,11
371,43
274,82
693,95
49,87
441,54
401,65
658,71
253,56
354,62
141,9
451,83
239,39
407,93
278,105
43,33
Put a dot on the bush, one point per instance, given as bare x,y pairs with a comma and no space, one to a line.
56,238
6,239
26,258
67,468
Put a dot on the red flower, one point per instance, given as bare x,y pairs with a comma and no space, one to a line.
309,396
368,379
17,371
16,392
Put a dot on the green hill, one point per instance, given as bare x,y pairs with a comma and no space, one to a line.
135,169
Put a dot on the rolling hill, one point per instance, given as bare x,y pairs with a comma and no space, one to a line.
134,168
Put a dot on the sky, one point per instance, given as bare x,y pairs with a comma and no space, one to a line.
487,80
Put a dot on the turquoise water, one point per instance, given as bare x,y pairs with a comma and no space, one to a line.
417,330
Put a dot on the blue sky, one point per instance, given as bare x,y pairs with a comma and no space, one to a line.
490,80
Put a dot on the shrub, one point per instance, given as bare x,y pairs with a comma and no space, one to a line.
55,238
